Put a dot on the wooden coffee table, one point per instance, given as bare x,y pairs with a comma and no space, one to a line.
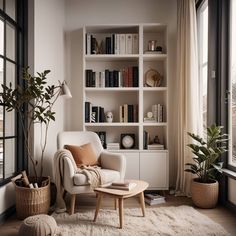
120,195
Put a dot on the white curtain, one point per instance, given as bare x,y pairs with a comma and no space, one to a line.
187,92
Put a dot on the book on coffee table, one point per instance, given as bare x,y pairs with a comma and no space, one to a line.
123,186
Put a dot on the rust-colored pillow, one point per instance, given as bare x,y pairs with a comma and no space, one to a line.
83,155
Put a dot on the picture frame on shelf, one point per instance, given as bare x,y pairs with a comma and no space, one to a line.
127,141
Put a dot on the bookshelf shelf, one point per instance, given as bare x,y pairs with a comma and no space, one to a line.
114,80
111,124
127,89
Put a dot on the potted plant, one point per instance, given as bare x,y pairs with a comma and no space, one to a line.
205,187
33,101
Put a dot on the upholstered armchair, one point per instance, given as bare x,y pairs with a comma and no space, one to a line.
112,165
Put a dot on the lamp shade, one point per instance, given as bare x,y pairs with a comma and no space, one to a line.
65,91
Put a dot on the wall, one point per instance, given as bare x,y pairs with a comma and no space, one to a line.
232,190
49,54
81,12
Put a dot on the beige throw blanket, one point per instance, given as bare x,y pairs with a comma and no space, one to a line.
93,173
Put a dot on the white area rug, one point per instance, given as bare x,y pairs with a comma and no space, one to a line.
182,220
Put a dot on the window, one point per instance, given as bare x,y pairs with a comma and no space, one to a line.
202,21
12,60
232,85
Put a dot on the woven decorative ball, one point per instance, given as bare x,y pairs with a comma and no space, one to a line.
38,225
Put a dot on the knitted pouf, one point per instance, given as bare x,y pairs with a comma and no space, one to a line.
38,225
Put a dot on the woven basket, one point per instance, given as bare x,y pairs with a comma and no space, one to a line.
31,202
204,195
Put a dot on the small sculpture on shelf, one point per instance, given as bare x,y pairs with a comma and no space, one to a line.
153,78
109,117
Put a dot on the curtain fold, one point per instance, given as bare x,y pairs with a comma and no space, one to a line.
187,95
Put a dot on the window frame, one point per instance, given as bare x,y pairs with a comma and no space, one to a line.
21,42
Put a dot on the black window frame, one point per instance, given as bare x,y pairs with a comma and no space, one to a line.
21,26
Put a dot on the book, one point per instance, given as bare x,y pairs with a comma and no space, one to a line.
153,199
88,44
87,112
122,43
135,44
128,43
120,183
129,187
117,43
154,202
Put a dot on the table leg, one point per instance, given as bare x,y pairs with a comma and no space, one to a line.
141,199
121,212
98,205
115,202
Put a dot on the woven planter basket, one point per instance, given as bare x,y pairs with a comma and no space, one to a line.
205,195
34,201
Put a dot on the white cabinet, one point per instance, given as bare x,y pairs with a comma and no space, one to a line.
117,81
154,169
132,165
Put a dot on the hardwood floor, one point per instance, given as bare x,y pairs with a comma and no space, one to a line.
219,214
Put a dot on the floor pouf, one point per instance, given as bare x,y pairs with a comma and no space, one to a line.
38,225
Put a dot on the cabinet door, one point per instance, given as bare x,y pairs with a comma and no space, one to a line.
154,169
132,165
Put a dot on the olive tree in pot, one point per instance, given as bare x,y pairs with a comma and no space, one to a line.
33,101
205,187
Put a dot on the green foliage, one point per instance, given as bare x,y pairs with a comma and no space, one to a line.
206,154
33,101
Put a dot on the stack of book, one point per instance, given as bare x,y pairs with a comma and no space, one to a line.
154,199
113,146
123,185
155,146
94,114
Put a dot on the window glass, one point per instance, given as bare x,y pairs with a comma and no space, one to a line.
1,74
232,103
1,159
202,22
9,162
11,8
10,42
1,37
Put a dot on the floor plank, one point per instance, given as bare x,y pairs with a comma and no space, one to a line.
219,214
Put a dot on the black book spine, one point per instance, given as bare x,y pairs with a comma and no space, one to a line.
107,44
135,76
96,111
87,112
93,83
116,78
87,82
101,114
107,78
113,44
93,45
130,113
111,79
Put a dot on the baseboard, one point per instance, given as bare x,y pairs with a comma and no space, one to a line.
10,211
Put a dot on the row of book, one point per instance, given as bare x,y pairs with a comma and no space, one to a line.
127,77
151,146
94,114
128,113
112,44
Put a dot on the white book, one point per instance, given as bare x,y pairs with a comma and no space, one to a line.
97,80
122,44
88,44
117,44
128,43
102,79
120,78
135,44
121,114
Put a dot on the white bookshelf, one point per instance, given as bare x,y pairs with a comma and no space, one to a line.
149,165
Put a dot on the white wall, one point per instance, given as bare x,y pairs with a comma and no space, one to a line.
89,12
232,190
49,54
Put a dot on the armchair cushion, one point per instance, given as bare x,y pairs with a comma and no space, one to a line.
83,155
108,175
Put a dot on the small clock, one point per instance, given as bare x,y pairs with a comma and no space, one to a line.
127,141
